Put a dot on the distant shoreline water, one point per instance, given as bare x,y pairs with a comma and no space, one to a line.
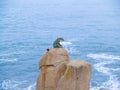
90,29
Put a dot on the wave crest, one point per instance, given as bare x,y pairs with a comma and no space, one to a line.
17,85
9,85
65,43
8,60
103,56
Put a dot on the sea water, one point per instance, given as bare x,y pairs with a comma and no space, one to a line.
90,28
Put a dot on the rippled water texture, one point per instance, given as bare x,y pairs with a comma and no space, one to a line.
91,29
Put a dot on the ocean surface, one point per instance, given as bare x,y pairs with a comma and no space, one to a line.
90,28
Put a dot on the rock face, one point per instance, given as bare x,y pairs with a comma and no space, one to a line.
53,66
76,77
59,73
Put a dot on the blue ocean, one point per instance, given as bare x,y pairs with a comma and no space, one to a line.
91,32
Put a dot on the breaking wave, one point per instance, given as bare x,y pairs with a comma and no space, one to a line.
65,43
8,60
31,87
113,82
17,85
101,66
103,56
11,53
10,85
69,47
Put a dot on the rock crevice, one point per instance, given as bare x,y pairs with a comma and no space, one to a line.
58,72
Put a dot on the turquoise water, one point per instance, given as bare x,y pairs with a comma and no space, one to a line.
91,29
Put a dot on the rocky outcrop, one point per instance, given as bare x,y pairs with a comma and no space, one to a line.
53,66
59,73
76,77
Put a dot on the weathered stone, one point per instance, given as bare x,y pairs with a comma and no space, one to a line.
59,73
76,77
54,57
53,66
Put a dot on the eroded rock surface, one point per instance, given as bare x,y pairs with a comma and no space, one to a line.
57,72
53,66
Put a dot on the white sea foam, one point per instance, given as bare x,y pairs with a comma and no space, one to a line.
10,85
103,56
98,88
8,60
112,83
72,50
11,53
69,47
94,88
115,69
65,43
31,87
17,85
101,66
